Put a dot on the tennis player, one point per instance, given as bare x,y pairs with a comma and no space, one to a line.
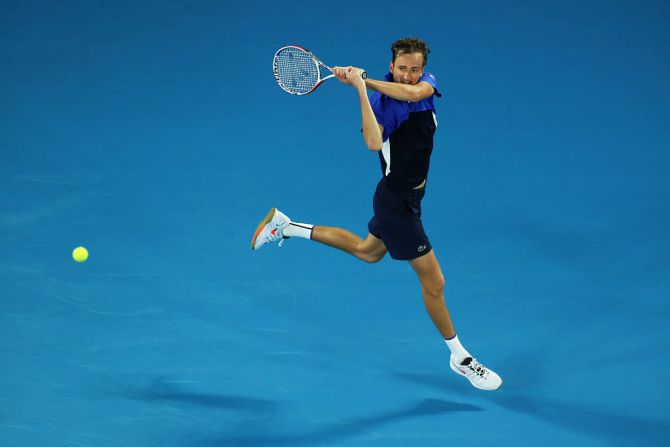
398,121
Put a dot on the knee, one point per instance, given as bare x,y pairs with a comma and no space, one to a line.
370,258
434,287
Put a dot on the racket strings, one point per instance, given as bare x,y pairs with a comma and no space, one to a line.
296,71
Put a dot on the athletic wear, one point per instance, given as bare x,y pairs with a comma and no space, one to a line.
407,137
397,221
270,229
478,375
297,229
405,158
458,352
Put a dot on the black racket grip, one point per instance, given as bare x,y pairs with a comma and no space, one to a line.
364,74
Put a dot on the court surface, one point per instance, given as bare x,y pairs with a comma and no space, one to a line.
153,133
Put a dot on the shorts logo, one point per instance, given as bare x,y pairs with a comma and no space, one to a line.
421,248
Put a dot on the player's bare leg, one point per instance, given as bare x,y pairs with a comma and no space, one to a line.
277,226
461,362
432,287
369,249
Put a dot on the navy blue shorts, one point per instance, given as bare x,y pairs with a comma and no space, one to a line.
397,221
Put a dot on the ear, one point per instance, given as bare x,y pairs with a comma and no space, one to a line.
391,67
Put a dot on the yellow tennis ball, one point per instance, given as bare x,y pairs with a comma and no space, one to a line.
80,254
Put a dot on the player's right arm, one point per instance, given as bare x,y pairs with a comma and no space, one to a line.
402,92
372,130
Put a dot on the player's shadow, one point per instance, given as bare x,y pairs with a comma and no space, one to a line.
339,431
588,419
160,389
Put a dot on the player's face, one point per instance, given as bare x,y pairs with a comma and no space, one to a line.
407,68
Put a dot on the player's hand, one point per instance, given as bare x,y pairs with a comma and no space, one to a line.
350,76
354,75
341,74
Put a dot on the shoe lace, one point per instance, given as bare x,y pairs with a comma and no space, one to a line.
477,368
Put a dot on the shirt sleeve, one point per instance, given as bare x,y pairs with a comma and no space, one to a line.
430,78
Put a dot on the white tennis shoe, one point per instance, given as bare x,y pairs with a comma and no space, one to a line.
270,229
479,376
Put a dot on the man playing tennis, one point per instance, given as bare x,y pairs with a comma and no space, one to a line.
399,122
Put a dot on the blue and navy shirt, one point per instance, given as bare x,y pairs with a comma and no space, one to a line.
408,135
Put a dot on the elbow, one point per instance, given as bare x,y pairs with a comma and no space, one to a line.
419,92
375,145
415,96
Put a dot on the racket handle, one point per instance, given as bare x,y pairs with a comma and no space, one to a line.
364,74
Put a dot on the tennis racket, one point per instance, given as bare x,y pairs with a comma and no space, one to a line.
298,71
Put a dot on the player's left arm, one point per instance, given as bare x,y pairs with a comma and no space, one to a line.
372,130
403,92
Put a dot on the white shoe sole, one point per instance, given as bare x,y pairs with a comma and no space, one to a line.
261,225
457,370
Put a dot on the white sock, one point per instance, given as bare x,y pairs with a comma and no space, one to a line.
457,349
298,229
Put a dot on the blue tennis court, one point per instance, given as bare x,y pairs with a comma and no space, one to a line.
154,134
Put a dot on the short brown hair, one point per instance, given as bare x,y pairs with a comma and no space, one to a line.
409,45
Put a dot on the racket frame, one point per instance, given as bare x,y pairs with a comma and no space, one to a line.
316,60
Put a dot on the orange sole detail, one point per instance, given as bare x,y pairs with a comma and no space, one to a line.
261,225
